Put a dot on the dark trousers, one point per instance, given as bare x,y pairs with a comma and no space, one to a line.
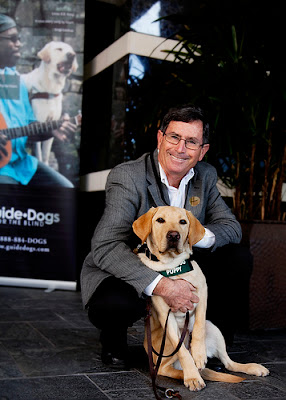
116,305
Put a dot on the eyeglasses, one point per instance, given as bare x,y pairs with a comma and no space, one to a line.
190,144
13,38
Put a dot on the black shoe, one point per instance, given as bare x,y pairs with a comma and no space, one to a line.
114,348
114,360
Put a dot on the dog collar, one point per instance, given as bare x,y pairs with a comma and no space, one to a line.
185,266
43,95
142,248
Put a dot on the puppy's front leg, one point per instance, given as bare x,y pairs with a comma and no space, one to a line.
192,377
198,342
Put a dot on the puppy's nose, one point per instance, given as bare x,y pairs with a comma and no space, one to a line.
173,236
70,56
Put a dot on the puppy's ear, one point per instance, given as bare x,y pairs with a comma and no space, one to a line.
44,54
142,226
196,230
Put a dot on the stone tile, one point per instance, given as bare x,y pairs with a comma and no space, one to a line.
31,314
126,380
256,389
54,362
50,325
19,347
44,301
277,375
4,355
9,370
8,314
76,317
51,388
18,331
69,337
261,351
146,394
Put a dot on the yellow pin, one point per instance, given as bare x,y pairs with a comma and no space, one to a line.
194,201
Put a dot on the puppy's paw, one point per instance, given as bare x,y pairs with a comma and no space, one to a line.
194,384
257,370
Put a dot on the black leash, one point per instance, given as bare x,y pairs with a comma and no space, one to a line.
169,393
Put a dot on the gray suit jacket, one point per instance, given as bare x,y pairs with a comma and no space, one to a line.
131,189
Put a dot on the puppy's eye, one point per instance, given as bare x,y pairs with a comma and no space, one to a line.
160,220
183,222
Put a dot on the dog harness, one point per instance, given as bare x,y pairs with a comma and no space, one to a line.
185,266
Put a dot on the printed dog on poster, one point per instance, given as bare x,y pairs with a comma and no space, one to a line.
45,85
170,233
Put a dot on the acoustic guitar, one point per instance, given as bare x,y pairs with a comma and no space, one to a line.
34,129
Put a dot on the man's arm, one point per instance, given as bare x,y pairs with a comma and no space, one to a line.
218,217
111,248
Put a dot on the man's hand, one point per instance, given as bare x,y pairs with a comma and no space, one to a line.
3,142
178,294
65,130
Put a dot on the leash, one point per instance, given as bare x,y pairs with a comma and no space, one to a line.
169,393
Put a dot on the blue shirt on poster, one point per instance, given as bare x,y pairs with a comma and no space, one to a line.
17,112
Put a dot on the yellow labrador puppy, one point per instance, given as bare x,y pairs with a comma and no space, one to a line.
170,233
45,85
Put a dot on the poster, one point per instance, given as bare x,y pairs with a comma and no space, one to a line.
41,74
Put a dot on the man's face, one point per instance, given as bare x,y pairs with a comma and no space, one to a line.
177,160
9,48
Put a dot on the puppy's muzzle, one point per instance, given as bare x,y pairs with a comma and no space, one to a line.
173,238
64,67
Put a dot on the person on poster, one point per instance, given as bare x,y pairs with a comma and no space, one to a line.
22,168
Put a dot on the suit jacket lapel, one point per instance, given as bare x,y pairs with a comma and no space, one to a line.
193,194
155,197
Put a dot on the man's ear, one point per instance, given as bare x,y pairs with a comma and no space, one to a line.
142,226
160,136
196,229
204,149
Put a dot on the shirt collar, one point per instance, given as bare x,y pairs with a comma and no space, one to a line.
185,180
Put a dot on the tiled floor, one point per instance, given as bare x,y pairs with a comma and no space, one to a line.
49,350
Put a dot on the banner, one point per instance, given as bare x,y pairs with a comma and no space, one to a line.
41,74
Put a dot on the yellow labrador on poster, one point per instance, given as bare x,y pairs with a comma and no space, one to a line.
45,85
170,233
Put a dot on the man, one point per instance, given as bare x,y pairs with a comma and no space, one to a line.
16,111
113,280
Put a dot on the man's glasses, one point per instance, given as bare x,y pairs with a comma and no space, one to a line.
190,144
13,38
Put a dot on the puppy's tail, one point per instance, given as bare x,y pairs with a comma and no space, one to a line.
210,375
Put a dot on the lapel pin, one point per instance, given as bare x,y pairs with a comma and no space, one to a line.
194,201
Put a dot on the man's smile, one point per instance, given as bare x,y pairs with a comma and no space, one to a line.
179,158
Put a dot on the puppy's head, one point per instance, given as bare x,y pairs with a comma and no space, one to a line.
168,230
60,57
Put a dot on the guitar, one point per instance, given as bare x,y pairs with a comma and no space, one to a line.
34,129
